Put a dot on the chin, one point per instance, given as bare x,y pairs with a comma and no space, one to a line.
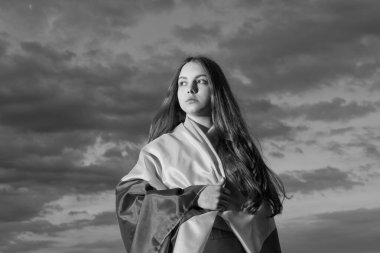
192,110
195,110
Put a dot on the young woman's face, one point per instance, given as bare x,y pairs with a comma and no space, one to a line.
194,94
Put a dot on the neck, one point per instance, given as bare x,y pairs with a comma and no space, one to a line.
204,121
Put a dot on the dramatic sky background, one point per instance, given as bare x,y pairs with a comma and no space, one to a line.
81,80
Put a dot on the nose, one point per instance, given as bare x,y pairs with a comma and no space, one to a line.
193,87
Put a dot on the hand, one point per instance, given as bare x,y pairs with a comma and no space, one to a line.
214,197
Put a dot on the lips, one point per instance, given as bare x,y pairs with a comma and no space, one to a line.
191,100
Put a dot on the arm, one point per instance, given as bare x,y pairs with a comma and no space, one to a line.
147,216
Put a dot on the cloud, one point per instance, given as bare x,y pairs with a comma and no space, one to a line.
267,120
62,241
336,147
23,203
42,237
345,231
273,52
370,148
336,109
277,154
340,130
66,170
65,21
274,129
77,207
3,46
40,187
59,222
105,218
44,90
318,180
61,173
46,54
270,120
197,33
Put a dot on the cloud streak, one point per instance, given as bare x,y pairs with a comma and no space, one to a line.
318,180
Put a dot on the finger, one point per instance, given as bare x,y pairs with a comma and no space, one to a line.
223,204
226,191
226,198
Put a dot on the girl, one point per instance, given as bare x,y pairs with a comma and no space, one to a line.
200,184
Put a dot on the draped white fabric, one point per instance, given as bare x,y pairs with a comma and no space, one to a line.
186,157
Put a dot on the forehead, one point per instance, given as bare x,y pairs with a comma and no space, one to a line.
192,68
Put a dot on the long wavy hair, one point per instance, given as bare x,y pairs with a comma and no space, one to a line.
241,158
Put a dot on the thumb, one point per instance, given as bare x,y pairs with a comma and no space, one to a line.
222,182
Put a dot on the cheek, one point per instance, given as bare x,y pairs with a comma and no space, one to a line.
208,96
179,95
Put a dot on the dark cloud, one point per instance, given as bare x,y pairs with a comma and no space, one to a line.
273,129
318,180
52,109
23,203
279,150
105,218
56,161
63,174
90,18
341,130
3,46
10,230
341,232
261,108
369,149
74,213
113,152
277,154
305,45
197,34
266,120
336,147
366,142
102,246
16,144
46,54
43,91
337,109
23,246
371,133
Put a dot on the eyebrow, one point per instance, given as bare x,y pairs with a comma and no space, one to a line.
184,77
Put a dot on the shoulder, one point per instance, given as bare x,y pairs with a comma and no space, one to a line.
165,141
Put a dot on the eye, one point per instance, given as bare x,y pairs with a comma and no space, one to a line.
202,81
182,83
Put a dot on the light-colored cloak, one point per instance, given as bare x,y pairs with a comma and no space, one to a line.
186,157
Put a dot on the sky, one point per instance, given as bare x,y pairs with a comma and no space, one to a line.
81,80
